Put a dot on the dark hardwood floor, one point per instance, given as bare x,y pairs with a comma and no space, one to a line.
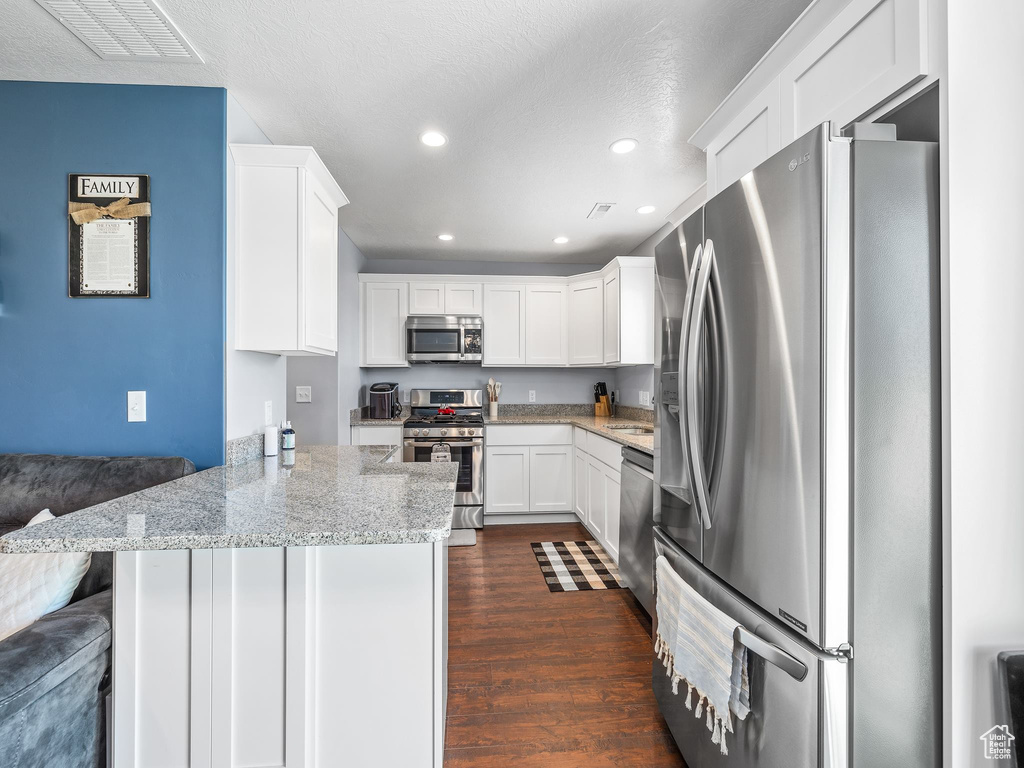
545,679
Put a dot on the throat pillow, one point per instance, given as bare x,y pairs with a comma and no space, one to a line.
32,586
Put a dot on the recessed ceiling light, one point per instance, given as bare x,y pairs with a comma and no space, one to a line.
446,237
622,146
645,209
561,240
434,138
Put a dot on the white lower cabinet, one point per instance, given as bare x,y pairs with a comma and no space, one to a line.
579,475
507,482
550,470
377,435
597,480
528,469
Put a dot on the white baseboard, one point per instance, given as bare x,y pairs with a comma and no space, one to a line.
531,517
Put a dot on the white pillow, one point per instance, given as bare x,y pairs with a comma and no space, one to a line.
32,586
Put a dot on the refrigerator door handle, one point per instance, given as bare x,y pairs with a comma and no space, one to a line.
771,653
700,483
686,494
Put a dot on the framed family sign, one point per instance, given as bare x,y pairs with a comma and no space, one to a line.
108,235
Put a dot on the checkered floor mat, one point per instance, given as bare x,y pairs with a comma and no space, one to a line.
571,566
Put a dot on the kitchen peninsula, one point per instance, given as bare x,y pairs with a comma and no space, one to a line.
273,615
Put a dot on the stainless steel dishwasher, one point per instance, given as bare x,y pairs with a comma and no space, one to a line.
636,527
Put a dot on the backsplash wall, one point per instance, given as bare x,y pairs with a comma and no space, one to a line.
552,385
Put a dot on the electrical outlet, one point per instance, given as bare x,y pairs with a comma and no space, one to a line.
137,405
404,395
303,394
533,396
268,412
645,397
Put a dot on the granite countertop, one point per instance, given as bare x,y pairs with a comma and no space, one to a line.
578,415
332,495
596,424
357,418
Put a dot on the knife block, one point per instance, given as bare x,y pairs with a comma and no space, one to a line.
601,407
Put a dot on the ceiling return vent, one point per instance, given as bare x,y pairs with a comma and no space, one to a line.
600,210
134,30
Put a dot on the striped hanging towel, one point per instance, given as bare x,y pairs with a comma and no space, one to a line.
696,644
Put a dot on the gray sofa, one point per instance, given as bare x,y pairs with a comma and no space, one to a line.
54,673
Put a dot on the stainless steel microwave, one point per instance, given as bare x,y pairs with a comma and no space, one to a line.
444,339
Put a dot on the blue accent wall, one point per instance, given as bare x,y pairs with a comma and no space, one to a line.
67,364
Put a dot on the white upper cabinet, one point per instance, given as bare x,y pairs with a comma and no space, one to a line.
426,299
286,259
870,52
629,311
463,299
547,325
838,68
384,309
445,298
611,317
596,319
504,324
586,322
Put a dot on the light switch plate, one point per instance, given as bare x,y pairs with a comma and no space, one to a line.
137,405
303,394
268,412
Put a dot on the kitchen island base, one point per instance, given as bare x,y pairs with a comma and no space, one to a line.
280,656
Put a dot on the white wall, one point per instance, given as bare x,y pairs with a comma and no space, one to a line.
986,360
335,380
250,378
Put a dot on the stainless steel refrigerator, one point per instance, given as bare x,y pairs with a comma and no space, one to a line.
797,448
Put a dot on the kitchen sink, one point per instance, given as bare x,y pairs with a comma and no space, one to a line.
630,429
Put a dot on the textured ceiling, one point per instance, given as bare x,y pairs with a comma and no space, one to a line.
530,92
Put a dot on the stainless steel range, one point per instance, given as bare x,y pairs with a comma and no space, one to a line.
444,421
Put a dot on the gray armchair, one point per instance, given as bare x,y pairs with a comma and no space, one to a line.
53,674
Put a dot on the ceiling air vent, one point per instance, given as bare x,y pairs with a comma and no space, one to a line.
136,30
600,210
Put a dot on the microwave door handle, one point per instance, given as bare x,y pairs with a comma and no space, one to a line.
771,653
696,451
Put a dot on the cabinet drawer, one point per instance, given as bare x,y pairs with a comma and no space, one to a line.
529,434
579,437
605,450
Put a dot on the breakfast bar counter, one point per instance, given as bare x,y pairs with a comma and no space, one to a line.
276,615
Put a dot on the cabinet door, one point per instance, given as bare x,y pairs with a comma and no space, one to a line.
596,502
319,299
426,298
504,324
547,325
376,435
551,478
586,322
611,317
750,139
580,485
507,480
463,299
869,52
612,488
384,312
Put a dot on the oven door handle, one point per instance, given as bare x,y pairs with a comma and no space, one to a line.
452,443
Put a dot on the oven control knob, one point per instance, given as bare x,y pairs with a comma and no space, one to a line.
414,432
462,431
444,432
